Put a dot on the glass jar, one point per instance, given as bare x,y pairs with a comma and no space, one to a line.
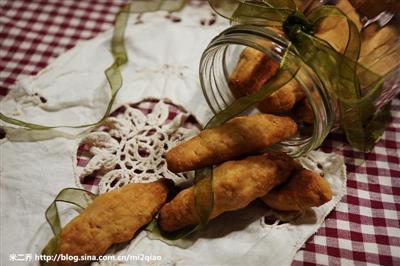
222,56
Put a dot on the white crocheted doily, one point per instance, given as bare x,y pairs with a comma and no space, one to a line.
130,146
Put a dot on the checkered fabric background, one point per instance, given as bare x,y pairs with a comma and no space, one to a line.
363,229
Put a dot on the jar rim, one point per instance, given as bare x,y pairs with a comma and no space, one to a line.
257,38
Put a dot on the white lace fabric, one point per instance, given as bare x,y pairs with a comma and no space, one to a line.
130,146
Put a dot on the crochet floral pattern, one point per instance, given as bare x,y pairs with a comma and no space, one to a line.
130,145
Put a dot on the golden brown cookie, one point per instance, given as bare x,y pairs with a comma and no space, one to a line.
235,185
303,190
334,29
239,136
282,100
380,50
113,217
252,72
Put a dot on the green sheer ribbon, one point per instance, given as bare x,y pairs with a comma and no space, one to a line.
354,86
339,73
78,197
118,50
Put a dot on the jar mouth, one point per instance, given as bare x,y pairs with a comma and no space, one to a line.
222,56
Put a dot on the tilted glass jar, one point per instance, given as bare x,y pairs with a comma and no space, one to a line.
222,55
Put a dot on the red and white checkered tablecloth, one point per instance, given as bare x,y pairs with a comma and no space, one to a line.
363,229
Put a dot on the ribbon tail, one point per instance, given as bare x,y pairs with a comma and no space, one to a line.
78,197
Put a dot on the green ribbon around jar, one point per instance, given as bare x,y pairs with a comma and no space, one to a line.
340,74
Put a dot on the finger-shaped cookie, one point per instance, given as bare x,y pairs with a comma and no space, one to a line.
282,100
303,190
253,70
235,185
239,136
113,217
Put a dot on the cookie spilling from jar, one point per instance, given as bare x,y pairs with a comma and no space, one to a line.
243,173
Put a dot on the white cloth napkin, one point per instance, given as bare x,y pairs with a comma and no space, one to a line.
163,62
